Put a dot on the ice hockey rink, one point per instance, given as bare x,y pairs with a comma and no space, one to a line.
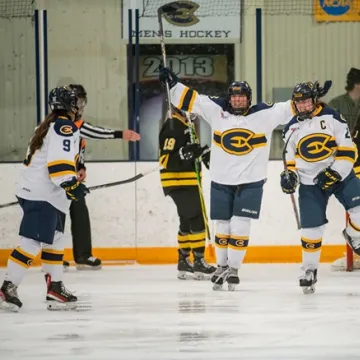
144,312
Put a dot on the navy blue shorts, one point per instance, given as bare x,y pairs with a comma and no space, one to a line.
243,200
40,221
313,200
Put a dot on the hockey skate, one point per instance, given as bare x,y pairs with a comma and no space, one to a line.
354,242
9,299
185,267
202,270
58,297
91,263
219,277
233,279
308,281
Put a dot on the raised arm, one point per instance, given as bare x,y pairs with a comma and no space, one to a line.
187,99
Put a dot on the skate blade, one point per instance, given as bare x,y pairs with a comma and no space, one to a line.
70,306
9,307
183,275
231,287
217,287
201,276
87,267
308,289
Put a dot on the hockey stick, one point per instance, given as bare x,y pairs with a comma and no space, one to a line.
193,139
103,186
292,197
165,9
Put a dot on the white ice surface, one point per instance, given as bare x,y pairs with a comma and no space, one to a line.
144,312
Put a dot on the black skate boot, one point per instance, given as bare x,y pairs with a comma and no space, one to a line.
185,267
91,263
9,298
308,280
219,277
202,270
233,279
354,242
58,297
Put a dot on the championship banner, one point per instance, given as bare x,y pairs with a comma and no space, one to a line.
337,10
209,68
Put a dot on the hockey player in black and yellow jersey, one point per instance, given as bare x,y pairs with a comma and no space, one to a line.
179,181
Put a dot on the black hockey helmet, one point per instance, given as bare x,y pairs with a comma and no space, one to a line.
62,98
305,91
240,88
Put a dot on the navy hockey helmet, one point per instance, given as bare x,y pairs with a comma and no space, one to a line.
62,98
240,88
302,92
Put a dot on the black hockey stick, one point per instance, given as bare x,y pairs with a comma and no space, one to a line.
103,186
292,197
165,9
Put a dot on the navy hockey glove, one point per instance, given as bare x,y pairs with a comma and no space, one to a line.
167,76
322,91
74,189
327,179
288,183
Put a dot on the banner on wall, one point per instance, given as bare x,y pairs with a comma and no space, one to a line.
337,10
201,19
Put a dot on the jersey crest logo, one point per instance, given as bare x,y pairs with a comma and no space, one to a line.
239,141
66,130
316,147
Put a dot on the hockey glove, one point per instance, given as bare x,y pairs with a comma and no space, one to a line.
322,91
74,189
327,179
167,76
289,183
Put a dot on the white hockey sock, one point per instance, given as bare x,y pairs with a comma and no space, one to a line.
311,239
221,241
239,240
353,228
21,259
52,257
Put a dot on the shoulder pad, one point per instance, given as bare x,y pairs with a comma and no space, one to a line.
290,123
260,107
64,127
219,101
326,110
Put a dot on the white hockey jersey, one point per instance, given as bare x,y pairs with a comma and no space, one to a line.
54,163
317,143
241,144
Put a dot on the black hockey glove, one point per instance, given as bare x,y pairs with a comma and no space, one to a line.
190,151
327,179
74,189
322,91
167,76
289,183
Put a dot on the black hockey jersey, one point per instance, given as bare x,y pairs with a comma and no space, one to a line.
177,173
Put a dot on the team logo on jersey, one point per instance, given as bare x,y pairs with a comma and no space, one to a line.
182,14
239,141
66,129
316,147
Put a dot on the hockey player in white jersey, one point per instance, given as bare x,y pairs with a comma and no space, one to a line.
239,157
46,186
320,156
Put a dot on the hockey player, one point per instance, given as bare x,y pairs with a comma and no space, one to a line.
178,179
79,213
46,186
320,156
239,157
